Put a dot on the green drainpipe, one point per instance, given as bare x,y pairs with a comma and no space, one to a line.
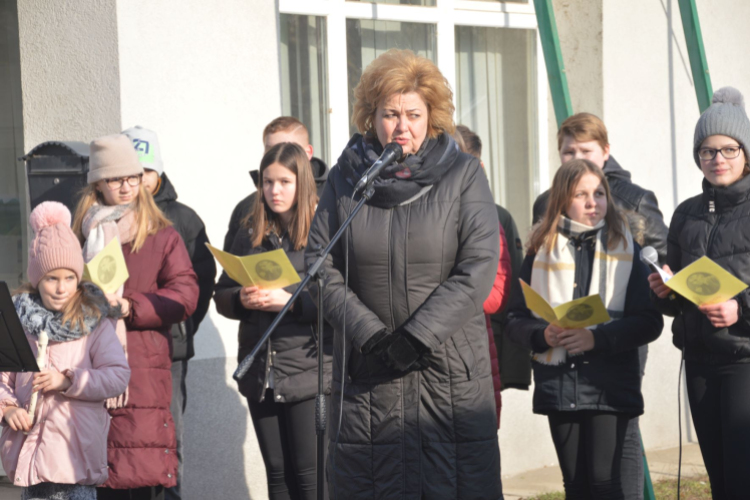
697,53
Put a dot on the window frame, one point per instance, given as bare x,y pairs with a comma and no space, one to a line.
446,15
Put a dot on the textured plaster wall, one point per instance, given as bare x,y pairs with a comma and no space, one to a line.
69,69
579,26
205,77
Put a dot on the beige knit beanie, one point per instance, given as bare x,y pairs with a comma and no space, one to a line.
112,156
54,245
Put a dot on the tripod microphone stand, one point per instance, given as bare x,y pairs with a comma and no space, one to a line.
315,272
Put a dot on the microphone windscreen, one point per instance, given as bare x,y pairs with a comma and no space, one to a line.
649,255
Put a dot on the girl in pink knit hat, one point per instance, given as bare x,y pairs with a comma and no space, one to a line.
59,449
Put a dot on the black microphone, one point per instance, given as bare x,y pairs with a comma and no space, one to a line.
650,258
391,152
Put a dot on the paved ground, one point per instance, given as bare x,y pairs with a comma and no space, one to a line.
662,464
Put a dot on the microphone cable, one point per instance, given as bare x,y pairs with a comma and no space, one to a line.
343,349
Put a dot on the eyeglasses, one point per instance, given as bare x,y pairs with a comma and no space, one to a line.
728,152
133,181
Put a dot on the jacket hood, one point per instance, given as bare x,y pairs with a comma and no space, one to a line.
319,168
166,191
613,169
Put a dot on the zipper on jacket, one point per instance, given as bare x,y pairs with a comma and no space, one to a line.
390,267
711,200
711,235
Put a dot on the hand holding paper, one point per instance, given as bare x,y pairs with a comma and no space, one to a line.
108,269
705,282
268,270
567,331
579,313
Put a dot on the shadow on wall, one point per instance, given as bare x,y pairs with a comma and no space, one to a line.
216,427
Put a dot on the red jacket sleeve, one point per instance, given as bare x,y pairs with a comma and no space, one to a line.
176,297
499,295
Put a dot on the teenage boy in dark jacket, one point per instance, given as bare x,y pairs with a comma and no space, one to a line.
515,366
584,136
193,232
281,129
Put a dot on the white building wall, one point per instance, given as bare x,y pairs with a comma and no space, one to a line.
205,77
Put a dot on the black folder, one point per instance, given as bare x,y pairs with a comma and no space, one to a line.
15,352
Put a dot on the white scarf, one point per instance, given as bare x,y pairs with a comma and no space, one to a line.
553,274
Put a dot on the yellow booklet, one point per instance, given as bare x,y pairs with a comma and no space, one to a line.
108,269
705,282
579,313
268,270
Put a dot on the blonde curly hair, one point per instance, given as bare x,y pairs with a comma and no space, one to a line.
400,72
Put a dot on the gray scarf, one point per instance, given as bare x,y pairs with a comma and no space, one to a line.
35,317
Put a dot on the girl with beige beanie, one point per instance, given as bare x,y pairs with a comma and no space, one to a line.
162,290
59,450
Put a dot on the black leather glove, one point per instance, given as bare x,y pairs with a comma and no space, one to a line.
377,343
404,351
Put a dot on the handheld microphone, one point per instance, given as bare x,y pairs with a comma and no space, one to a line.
650,258
391,152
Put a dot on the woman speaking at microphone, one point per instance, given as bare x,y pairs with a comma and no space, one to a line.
715,339
417,415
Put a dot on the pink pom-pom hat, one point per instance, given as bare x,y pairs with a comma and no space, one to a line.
54,245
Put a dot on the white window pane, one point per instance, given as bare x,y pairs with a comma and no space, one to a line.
496,98
367,39
424,3
304,80
503,1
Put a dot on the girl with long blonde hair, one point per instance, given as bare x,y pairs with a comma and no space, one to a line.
161,290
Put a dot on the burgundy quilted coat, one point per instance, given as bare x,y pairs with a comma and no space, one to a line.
495,303
163,289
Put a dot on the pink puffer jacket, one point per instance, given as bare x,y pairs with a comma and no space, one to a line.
68,443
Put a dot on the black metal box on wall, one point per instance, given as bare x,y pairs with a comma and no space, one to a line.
56,171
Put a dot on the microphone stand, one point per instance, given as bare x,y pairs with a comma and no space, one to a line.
314,272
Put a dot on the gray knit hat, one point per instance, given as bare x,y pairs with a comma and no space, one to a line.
147,146
112,156
725,116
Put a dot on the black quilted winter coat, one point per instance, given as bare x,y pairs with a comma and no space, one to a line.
426,265
716,224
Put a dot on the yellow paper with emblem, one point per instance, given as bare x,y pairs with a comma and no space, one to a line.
579,313
268,270
108,269
705,282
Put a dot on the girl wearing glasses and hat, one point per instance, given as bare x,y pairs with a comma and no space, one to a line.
162,290
715,339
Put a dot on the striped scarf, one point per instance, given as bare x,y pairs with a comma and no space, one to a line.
553,274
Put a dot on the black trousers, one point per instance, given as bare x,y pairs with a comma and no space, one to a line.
287,440
589,447
719,398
